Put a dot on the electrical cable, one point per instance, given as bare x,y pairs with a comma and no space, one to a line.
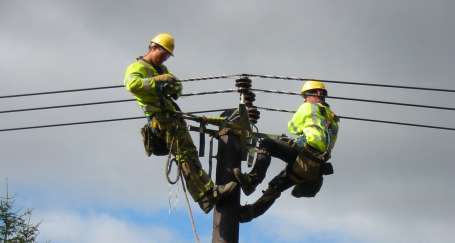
106,87
352,83
109,102
66,106
97,121
360,100
368,120
239,75
60,91
229,91
219,110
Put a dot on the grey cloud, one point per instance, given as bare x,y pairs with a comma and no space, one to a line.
391,176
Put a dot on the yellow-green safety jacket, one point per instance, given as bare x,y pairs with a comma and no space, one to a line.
139,81
318,123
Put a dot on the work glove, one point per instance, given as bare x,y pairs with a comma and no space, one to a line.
169,85
165,78
174,89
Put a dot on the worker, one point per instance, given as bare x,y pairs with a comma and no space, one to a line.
306,156
155,90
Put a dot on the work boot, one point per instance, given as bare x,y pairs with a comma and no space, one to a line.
245,213
250,211
247,182
206,204
221,191
218,192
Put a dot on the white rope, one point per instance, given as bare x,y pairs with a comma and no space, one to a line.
190,212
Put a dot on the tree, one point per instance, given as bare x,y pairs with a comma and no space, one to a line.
16,225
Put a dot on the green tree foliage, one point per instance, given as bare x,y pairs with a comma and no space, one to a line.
16,225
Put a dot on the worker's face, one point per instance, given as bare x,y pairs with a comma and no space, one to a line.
313,99
159,54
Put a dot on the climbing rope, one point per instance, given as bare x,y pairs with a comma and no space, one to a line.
190,212
168,168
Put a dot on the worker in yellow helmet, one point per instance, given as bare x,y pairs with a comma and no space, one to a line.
156,90
316,128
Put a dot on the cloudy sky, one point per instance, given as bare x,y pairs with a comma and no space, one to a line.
93,183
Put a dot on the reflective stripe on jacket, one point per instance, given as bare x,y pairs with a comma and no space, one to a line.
317,123
139,81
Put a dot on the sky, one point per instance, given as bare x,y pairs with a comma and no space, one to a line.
93,183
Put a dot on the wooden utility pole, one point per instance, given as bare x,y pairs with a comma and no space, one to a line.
225,214
232,149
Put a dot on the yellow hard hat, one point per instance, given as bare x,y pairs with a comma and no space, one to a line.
166,41
312,85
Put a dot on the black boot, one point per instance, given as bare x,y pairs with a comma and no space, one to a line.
279,183
207,202
248,182
251,211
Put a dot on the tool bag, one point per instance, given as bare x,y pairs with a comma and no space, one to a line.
154,143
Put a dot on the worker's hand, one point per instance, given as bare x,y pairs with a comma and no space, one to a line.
165,78
174,89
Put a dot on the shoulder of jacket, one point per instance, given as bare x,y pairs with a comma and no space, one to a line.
136,65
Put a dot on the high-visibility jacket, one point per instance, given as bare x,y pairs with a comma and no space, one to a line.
139,81
317,123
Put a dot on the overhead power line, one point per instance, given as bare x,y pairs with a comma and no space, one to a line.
108,102
360,100
66,106
71,123
105,87
352,83
238,75
96,121
225,91
60,91
219,110
369,120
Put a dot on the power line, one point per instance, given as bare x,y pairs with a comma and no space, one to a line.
220,110
226,91
71,123
66,106
360,100
369,120
96,121
233,76
109,102
351,83
107,87
60,91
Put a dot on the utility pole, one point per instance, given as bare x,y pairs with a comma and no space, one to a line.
232,149
225,214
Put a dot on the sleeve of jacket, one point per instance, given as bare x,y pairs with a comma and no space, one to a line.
136,80
296,124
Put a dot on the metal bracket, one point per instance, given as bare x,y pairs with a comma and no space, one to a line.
201,139
211,157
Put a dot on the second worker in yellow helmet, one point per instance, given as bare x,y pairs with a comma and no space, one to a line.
156,90
316,127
